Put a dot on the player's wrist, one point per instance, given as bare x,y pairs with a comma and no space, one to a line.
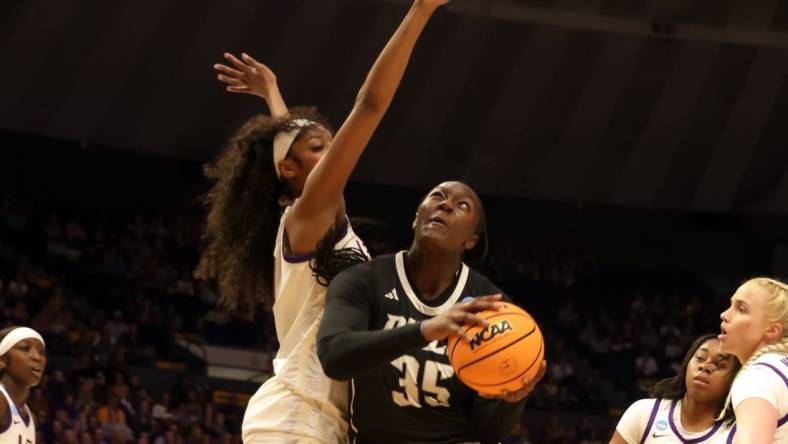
424,330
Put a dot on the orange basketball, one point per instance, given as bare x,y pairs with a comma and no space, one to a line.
499,356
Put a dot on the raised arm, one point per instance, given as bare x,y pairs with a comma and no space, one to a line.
248,76
319,204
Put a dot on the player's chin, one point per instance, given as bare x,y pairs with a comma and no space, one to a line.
435,238
35,376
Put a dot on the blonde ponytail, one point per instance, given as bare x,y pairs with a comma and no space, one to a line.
776,309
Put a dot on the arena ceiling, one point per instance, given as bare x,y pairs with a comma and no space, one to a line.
662,103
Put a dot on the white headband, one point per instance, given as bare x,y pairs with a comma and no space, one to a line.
284,140
14,336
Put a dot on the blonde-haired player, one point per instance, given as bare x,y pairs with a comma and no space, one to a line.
22,362
755,330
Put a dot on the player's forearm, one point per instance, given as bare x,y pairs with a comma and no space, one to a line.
350,354
493,420
275,101
325,184
385,76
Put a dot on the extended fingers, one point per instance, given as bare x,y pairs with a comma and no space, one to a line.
230,80
239,89
241,66
483,303
468,319
226,70
457,329
249,59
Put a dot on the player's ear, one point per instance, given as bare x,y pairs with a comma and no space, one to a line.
471,241
774,331
287,168
415,218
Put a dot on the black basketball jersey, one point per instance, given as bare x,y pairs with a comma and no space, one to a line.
415,398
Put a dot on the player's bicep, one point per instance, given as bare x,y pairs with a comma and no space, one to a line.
756,421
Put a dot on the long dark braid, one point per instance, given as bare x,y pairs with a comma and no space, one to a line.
330,261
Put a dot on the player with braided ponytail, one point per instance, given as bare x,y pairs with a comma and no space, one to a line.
755,330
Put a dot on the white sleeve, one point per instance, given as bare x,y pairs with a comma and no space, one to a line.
633,422
760,381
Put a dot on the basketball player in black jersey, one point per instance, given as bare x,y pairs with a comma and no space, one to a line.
385,326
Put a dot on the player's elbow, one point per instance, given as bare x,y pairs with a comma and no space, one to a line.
330,361
368,102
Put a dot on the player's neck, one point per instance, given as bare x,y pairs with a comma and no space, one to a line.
697,416
17,392
430,273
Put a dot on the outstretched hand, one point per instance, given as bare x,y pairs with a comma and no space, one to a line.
528,387
246,76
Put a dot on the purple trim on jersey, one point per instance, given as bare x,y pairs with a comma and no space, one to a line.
29,416
651,420
776,370
782,420
684,440
299,258
10,417
730,435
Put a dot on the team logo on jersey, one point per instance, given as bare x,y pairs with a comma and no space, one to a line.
662,425
491,332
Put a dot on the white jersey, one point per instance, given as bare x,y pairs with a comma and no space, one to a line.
766,379
658,421
299,404
17,430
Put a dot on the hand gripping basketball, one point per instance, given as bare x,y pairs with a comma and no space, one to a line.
457,319
505,358
528,387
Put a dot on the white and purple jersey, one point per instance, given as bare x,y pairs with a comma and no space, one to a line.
299,404
658,421
766,378
17,430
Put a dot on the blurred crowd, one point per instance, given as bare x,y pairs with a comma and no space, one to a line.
111,291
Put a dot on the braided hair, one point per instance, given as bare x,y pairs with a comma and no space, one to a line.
330,261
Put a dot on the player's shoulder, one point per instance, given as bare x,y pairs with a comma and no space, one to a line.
778,360
376,269
643,409
481,284
645,406
636,418
383,265
771,367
